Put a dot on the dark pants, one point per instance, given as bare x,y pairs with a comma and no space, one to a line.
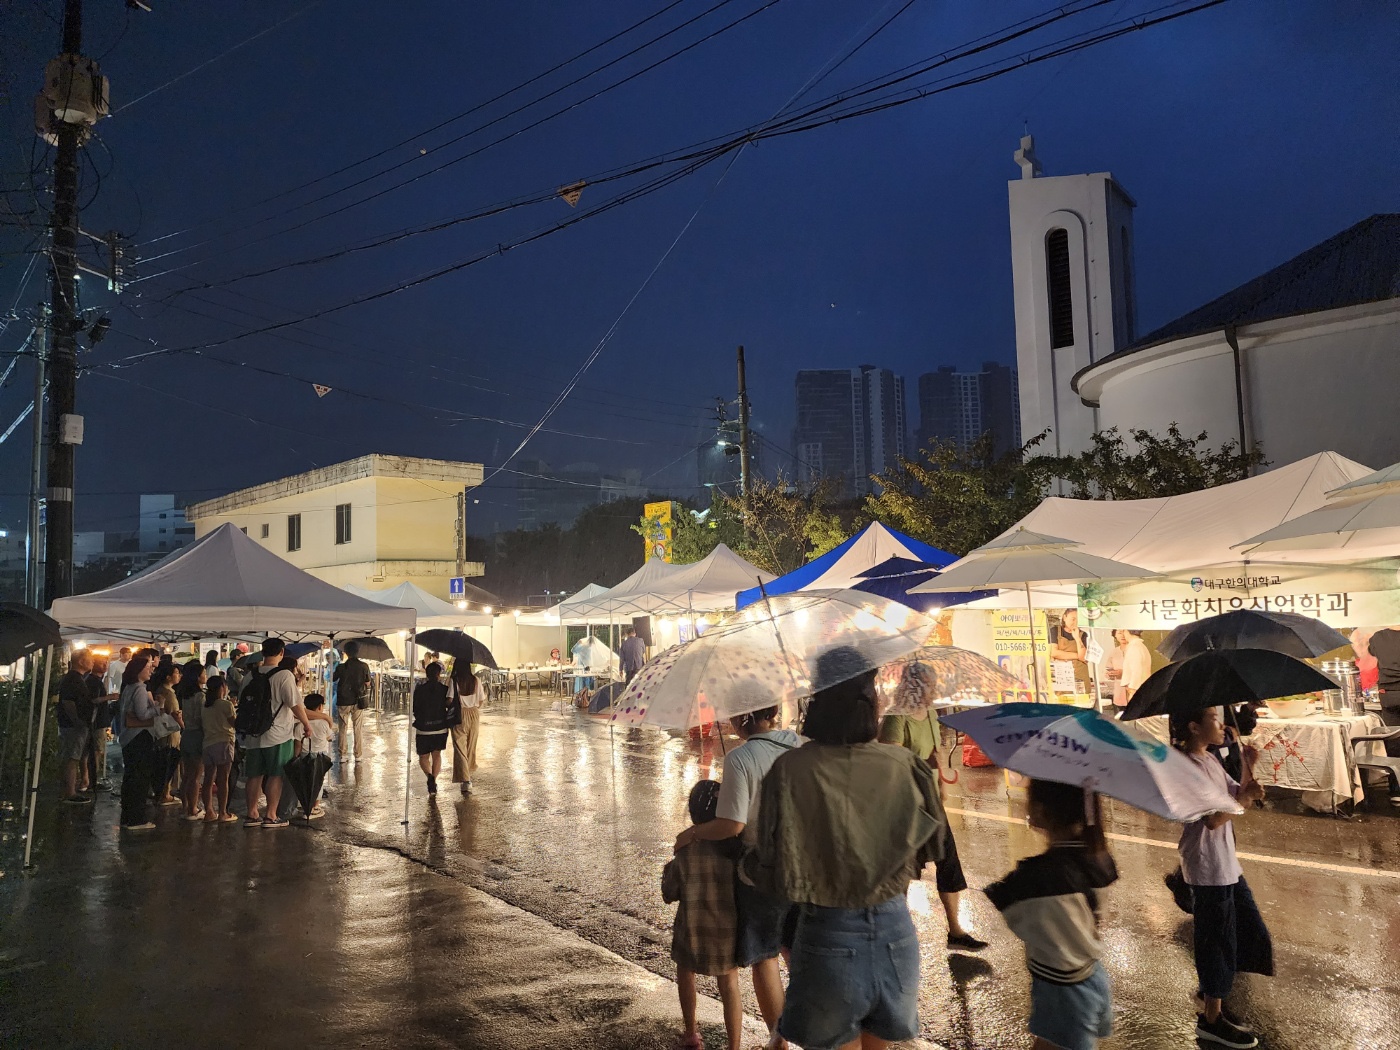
1230,937
167,760
1391,717
948,872
138,775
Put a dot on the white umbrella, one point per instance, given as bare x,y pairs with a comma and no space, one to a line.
1020,558
1360,515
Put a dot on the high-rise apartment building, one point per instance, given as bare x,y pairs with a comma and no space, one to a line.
850,425
962,406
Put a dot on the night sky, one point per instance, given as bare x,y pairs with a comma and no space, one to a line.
1247,133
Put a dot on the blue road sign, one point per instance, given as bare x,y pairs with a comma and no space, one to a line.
457,587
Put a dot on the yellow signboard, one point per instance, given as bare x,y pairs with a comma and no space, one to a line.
658,530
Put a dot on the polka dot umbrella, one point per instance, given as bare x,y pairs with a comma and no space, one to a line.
766,654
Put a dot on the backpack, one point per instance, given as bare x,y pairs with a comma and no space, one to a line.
255,713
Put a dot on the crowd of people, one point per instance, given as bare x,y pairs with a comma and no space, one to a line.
188,731
807,846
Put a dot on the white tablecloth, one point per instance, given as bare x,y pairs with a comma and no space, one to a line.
1312,754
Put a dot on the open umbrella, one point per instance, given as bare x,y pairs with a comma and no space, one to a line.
1223,677
1020,558
1283,632
768,653
456,644
895,578
296,650
938,673
368,648
24,630
1081,747
1361,518
306,773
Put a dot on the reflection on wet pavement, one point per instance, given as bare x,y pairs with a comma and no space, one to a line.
572,823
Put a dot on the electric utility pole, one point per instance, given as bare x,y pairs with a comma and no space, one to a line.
74,98
34,544
745,459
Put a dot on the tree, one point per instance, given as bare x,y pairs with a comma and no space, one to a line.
781,526
957,500
1157,466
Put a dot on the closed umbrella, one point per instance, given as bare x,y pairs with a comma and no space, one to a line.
306,773
1021,558
769,653
1085,749
1223,677
456,644
1290,633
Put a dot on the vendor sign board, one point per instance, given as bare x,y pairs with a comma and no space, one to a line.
1011,640
657,519
1363,594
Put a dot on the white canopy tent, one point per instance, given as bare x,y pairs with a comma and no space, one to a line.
564,612
1197,528
222,585
659,588
1360,519
432,611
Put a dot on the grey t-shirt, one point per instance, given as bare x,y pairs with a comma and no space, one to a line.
744,770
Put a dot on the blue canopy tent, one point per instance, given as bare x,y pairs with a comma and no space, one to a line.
894,577
841,566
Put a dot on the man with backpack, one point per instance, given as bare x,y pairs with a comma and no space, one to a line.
352,686
267,709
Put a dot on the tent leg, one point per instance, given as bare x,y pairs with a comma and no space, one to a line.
38,754
411,651
29,731
1035,660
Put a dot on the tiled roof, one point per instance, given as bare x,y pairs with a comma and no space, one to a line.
1358,265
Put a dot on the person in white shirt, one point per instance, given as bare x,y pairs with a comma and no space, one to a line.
318,743
116,667
267,755
1137,665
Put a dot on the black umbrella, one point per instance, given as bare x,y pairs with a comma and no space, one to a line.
368,648
306,773
1224,677
24,630
1289,633
457,645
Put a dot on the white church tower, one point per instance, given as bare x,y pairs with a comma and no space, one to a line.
1072,270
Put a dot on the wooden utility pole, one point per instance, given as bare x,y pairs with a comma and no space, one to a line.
34,545
64,425
745,460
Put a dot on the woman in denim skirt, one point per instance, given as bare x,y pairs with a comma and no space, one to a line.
845,825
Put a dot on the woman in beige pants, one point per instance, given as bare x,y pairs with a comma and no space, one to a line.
466,692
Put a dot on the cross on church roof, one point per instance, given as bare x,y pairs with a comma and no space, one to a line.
1025,156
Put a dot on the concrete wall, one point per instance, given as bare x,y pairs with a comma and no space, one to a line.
1323,382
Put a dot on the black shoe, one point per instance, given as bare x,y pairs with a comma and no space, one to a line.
1223,1033
432,785
1199,1002
965,942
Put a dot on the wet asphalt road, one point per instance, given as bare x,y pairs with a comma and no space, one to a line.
574,829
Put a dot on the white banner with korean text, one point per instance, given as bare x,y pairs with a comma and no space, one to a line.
1360,595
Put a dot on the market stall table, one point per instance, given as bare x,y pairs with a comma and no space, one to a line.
1311,754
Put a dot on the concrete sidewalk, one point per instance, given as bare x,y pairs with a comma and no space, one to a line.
224,937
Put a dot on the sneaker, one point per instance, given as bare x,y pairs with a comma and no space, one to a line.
139,827
104,785
275,822
1395,800
1200,1005
965,942
78,800
1223,1033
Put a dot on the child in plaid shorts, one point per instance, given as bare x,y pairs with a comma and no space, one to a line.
703,940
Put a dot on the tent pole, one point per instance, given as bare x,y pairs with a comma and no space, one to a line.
29,731
38,754
411,651
9,716
1035,661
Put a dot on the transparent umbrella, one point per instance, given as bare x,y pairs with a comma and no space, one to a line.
767,654
938,673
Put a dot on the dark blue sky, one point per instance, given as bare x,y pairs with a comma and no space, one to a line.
1246,133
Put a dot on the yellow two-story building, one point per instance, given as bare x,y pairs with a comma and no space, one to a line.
372,522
